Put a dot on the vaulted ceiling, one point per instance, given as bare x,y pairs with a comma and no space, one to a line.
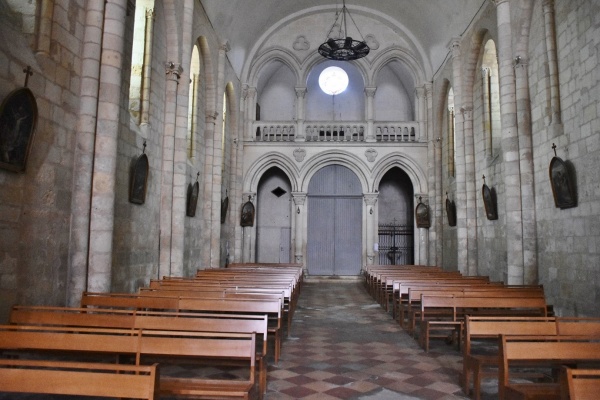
431,23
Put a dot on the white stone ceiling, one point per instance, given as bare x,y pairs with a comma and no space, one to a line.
432,23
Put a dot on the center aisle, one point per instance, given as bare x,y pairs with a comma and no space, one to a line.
343,345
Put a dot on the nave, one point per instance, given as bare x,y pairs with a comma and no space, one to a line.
345,346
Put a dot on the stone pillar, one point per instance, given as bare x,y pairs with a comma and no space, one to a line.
420,113
147,70
105,148
510,147
370,134
471,193
173,72
44,34
552,59
84,153
530,268
460,172
300,99
371,222
250,113
249,232
434,166
299,223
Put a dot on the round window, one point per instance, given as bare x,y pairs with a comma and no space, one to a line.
333,80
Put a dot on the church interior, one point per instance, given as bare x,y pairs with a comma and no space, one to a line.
324,143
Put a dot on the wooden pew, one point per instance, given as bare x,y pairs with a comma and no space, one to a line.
445,313
194,322
580,384
143,345
480,345
541,352
78,378
273,308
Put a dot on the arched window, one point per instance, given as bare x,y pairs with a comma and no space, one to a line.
193,98
490,99
451,139
141,56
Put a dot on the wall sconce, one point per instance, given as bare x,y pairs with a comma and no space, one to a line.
298,210
371,211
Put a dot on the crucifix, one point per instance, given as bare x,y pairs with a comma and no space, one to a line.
28,72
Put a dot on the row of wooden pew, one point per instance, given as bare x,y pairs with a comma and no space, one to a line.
124,345
501,330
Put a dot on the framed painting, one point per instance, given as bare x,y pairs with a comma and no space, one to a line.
18,120
192,199
422,215
489,202
451,212
248,210
562,182
139,180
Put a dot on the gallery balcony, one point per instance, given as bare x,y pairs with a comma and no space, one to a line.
382,132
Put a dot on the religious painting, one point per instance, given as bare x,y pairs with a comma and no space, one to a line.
489,202
451,212
192,199
224,207
422,215
248,210
139,179
561,180
18,119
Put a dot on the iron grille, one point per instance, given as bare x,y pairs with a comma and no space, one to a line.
396,244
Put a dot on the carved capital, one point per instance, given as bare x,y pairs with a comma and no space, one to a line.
370,91
454,46
498,2
300,92
225,46
420,92
299,198
150,13
370,198
173,71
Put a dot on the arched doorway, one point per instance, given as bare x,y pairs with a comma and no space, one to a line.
396,218
334,235
273,216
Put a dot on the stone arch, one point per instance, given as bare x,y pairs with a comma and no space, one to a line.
338,157
267,161
392,54
417,176
209,76
284,56
315,59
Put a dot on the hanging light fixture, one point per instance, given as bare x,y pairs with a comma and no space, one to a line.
339,45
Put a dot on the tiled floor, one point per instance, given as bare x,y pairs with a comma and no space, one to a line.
343,345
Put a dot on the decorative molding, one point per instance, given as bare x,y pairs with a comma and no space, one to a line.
299,154
371,154
301,44
300,91
173,71
370,91
372,42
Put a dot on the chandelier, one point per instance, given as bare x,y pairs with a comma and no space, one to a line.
339,45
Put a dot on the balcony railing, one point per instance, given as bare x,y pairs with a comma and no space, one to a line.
337,132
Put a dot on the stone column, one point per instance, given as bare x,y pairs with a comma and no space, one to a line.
105,148
173,72
299,199
434,167
530,268
370,134
460,172
371,221
84,153
207,202
510,147
471,193
420,113
250,113
300,99
487,112
44,34
552,58
147,71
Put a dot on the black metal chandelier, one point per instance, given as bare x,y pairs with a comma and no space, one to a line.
339,45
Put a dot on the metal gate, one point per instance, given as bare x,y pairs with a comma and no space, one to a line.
396,244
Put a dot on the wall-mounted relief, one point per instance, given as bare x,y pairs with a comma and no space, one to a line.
301,43
372,42
489,201
192,198
248,211
224,208
563,182
422,215
139,178
299,155
450,211
371,154
18,119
